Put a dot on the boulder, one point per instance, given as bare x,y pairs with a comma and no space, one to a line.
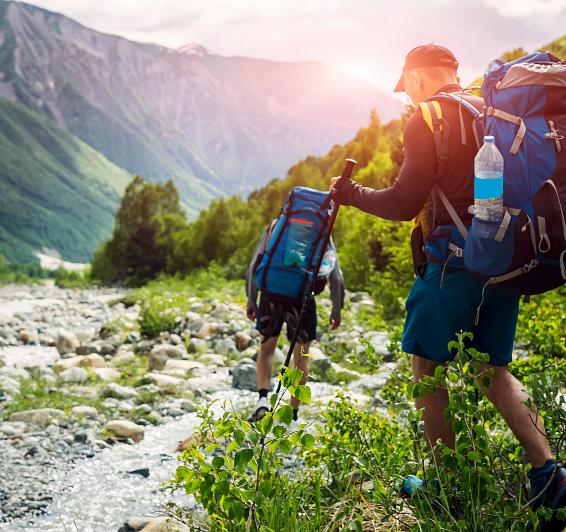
319,363
123,356
242,340
84,411
197,345
166,383
175,339
125,429
179,368
244,377
27,336
74,375
212,359
116,391
133,524
93,360
160,354
67,342
226,346
107,374
165,524
207,330
39,416
67,363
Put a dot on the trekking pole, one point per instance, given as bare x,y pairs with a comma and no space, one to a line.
309,292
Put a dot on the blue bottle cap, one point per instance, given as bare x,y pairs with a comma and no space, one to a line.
489,138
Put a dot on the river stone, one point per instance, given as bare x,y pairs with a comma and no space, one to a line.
244,377
74,375
175,339
379,341
125,429
84,411
8,385
67,363
39,416
207,330
123,356
208,384
167,383
145,346
179,368
358,296
116,391
212,359
107,374
133,524
27,336
318,361
93,360
191,316
197,345
165,524
12,428
67,342
160,354
226,346
242,340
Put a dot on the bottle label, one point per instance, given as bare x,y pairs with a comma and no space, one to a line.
485,189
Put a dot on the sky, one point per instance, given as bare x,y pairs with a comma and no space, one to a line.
366,38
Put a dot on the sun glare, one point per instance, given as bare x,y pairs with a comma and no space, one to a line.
361,71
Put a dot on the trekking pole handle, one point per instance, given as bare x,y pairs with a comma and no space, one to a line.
346,174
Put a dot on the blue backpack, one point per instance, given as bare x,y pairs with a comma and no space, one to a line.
525,110
295,244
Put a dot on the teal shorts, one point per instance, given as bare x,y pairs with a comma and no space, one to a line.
435,315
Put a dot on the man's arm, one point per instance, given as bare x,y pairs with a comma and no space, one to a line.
251,288
405,198
336,284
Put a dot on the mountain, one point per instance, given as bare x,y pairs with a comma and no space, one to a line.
214,124
55,191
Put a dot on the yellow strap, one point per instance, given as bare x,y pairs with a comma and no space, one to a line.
427,116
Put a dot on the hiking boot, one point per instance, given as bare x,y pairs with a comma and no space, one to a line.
554,496
261,408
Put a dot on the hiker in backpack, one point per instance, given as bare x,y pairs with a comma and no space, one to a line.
436,187
275,309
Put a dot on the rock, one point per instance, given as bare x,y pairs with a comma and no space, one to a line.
358,296
194,440
379,341
166,383
28,337
107,374
133,337
123,356
67,342
67,363
74,375
165,524
84,411
125,429
116,391
197,345
175,339
108,348
160,354
226,346
143,409
40,416
197,306
93,360
142,472
82,437
188,406
133,524
87,349
212,359
8,386
244,377
319,363
192,316
207,330
145,346
208,384
180,368
12,428
242,340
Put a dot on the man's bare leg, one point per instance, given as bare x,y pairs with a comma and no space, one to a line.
302,363
434,404
264,364
508,396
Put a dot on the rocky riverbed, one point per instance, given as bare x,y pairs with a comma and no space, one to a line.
91,412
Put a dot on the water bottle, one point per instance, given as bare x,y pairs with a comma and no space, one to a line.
488,182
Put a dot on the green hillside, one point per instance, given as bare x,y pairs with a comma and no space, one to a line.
55,191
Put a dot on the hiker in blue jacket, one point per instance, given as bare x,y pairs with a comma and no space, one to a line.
444,301
274,310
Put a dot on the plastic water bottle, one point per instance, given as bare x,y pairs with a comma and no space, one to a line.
488,182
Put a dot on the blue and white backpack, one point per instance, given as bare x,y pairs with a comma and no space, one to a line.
295,244
525,110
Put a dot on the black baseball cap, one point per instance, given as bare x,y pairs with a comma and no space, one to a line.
426,55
